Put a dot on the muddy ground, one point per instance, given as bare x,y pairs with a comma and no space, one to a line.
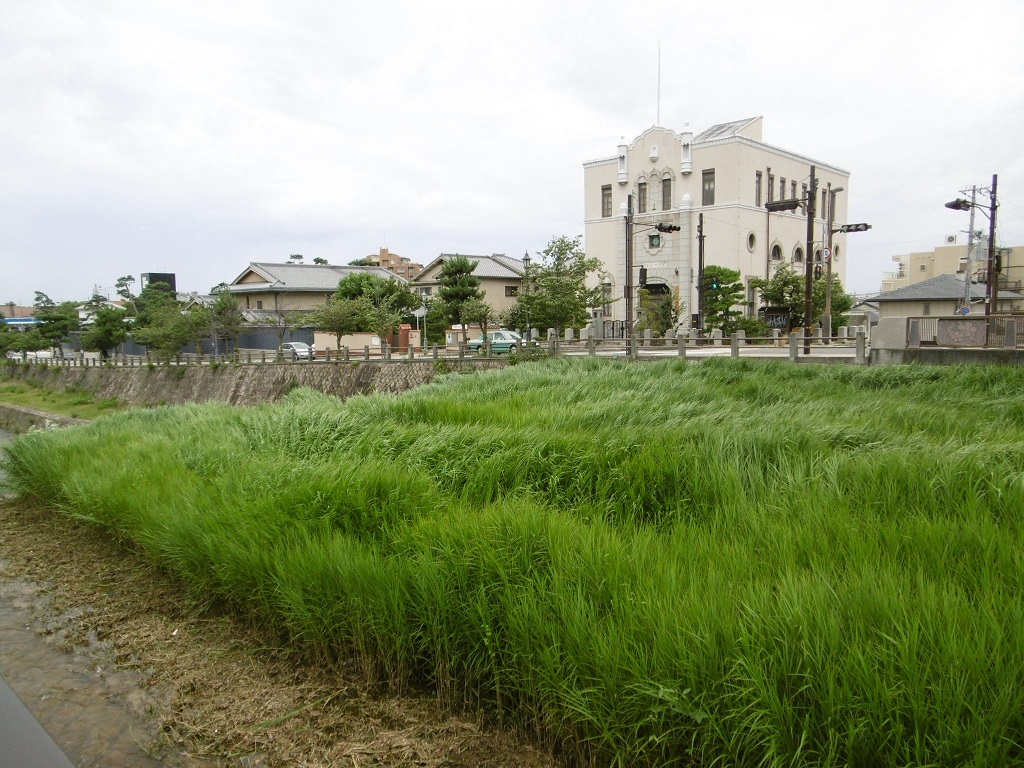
124,669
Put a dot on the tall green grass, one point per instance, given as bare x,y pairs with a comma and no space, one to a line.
728,563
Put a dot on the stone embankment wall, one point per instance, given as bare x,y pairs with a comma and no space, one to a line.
240,384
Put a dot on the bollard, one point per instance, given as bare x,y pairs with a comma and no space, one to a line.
591,345
387,351
344,353
734,345
861,339
411,353
682,345
434,351
794,345
366,352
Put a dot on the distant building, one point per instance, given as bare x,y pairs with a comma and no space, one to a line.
940,296
286,288
399,265
501,277
151,278
726,174
951,259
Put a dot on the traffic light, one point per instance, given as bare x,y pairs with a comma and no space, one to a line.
782,205
643,276
817,271
714,282
662,227
854,228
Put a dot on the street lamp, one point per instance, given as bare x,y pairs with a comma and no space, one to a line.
992,276
526,290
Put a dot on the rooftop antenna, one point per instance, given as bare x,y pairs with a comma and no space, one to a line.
659,82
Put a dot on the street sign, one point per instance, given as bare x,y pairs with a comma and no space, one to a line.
826,254
965,310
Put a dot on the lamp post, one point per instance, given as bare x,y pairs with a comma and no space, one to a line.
992,272
526,291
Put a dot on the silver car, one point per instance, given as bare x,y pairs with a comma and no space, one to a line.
298,350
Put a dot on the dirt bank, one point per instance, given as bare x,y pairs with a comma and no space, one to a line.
196,688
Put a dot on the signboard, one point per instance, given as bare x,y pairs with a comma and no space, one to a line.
777,318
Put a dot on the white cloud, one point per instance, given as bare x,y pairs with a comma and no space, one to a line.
194,137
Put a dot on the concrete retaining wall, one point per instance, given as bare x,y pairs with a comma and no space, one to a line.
239,384
947,356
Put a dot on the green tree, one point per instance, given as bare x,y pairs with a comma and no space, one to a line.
339,317
366,261
459,288
151,305
227,319
557,295
108,328
723,291
786,288
56,321
166,330
481,313
659,313
435,323
123,286
376,288
320,261
198,325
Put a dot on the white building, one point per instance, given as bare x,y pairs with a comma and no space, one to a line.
722,177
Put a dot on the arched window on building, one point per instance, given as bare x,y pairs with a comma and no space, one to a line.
776,252
666,192
798,255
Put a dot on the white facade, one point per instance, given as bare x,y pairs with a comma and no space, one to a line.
727,173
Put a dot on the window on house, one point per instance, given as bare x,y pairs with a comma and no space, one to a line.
606,201
757,189
798,254
771,187
776,253
641,197
782,188
926,309
792,190
511,290
425,290
259,305
708,196
803,192
666,194
924,267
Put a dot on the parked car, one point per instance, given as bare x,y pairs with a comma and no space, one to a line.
298,350
502,343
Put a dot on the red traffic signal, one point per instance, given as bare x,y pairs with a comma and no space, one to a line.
817,271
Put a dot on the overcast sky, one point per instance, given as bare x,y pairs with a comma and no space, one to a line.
194,137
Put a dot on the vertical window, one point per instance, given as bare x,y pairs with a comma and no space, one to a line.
926,309
798,254
666,194
782,188
708,196
606,201
792,190
824,203
511,290
259,305
641,197
776,253
771,187
757,189
803,192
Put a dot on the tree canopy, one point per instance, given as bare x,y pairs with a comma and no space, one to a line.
459,290
786,288
723,291
555,292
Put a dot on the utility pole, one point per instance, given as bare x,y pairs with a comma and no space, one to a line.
993,276
970,248
700,273
812,193
628,329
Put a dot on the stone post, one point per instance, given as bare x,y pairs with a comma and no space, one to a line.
794,345
861,339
